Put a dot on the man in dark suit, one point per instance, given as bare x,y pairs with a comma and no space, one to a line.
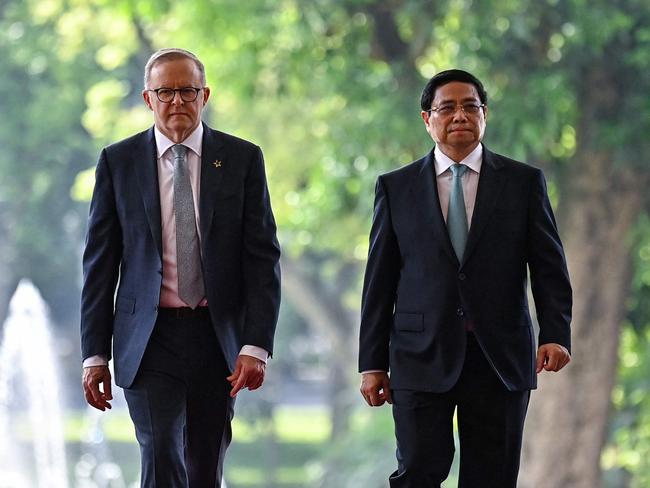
445,306
181,223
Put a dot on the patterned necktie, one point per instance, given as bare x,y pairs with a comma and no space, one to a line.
456,214
188,255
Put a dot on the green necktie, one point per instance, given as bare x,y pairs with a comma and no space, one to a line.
456,213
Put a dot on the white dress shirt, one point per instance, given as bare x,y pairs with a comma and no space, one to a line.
469,180
169,290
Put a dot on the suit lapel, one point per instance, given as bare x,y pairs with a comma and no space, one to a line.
146,168
424,195
213,165
490,184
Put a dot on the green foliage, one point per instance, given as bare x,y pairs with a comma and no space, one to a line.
628,449
639,305
333,100
308,82
44,147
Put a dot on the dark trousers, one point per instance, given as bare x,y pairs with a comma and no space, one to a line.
180,405
490,427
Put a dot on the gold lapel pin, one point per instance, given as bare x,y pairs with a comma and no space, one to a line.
217,163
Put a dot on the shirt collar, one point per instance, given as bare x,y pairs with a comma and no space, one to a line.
193,141
473,160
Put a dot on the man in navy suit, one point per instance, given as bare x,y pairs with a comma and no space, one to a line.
455,236
193,319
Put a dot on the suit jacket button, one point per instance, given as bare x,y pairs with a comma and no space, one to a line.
460,312
462,276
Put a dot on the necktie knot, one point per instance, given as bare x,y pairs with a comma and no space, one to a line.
179,151
458,170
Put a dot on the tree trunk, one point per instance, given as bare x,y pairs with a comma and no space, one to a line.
322,314
567,420
340,399
326,315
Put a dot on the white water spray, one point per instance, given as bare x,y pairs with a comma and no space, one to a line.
28,368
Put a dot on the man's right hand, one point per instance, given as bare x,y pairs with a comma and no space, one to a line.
93,377
375,388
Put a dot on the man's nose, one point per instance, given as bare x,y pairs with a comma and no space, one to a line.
177,100
459,113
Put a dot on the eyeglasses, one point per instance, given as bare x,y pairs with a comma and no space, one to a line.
447,110
166,95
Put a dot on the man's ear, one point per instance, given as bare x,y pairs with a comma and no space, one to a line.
206,95
146,95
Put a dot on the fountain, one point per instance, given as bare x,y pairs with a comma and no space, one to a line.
32,446
30,411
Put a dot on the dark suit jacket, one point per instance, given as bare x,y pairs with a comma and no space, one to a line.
417,295
124,244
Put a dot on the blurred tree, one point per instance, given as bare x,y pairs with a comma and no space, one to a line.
57,61
570,79
626,457
576,78
330,90
43,88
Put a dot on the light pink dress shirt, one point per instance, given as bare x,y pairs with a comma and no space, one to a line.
169,289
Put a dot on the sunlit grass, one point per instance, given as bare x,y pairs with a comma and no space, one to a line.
302,424
249,476
288,449
116,426
310,425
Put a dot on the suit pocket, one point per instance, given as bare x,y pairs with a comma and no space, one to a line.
412,322
125,304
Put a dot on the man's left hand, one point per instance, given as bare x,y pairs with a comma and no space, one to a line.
249,373
552,357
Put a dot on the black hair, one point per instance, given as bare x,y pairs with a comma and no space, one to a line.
448,76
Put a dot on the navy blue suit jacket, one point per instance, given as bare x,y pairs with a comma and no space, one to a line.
240,251
417,296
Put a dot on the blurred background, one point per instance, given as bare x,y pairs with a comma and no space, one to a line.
330,90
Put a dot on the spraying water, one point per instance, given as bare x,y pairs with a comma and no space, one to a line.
28,392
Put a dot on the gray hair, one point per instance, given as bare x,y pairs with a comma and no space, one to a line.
170,54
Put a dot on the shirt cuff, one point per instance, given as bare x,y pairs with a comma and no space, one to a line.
98,360
255,351
374,371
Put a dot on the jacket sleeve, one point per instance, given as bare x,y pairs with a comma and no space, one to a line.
260,260
379,287
548,269
101,262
